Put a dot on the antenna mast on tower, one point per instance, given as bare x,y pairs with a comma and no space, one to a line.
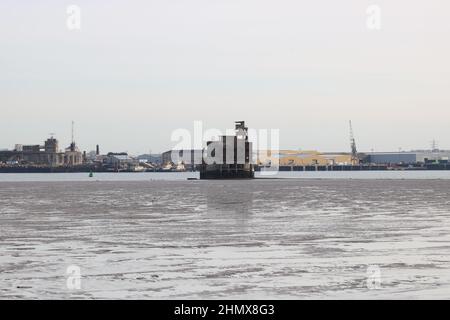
73,140
434,146
72,143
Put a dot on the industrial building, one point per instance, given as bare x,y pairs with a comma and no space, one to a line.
47,155
265,157
301,158
182,156
122,162
73,156
411,157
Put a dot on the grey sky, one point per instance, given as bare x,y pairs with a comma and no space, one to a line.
137,70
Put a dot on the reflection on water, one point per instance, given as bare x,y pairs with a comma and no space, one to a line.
228,210
272,238
229,198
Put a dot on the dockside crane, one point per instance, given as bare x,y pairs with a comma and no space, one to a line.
354,158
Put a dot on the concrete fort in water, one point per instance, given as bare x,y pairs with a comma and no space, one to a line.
230,157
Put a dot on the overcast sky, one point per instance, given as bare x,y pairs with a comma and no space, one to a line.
137,70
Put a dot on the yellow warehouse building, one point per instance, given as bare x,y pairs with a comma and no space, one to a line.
302,158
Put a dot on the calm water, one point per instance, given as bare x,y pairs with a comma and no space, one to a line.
272,238
149,176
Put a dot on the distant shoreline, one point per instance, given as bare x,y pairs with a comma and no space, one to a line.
311,169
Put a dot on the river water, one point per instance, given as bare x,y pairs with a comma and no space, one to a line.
156,236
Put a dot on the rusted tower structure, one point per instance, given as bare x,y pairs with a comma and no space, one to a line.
230,157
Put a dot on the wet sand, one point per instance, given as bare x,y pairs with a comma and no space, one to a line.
258,239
